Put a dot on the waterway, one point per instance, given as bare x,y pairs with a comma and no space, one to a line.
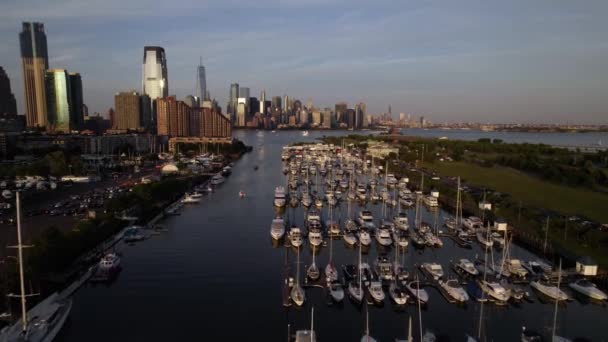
216,275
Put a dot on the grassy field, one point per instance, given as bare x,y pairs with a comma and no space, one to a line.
531,191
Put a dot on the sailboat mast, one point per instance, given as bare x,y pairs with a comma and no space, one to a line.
559,279
457,202
419,306
360,266
21,276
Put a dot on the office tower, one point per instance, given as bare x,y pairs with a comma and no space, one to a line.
360,114
34,57
128,111
286,106
59,102
422,122
173,117
8,105
192,101
327,121
263,102
340,110
77,101
309,105
241,112
296,105
232,100
154,80
350,118
304,117
402,118
111,115
276,103
146,115
254,105
244,93
390,112
316,118
85,110
202,82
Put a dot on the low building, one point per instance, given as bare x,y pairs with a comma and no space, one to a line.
380,149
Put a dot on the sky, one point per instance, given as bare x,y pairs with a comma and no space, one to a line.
541,61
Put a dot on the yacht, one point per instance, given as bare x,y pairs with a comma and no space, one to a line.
397,294
383,236
361,193
498,239
430,201
217,179
188,199
306,199
109,263
400,238
467,267
454,290
364,238
484,239
336,291
315,236
589,289
313,270
550,291
472,223
318,203
376,291
406,202
295,236
313,215
516,268
196,194
333,228
279,197
495,290
366,219
277,228
384,268
401,221
304,133
433,269
350,238
421,295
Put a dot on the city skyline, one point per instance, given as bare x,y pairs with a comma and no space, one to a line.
445,61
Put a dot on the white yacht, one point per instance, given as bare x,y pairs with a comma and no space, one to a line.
295,236
364,238
376,291
313,270
589,289
484,239
217,179
188,199
400,220
420,294
430,201
336,291
467,267
277,228
304,133
454,290
384,268
109,263
550,291
366,219
315,236
397,294
516,268
495,290
350,238
433,269
297,292
472,223
279,196
355,292
383,236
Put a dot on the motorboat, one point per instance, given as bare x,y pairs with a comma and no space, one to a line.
297,294
537,267
472,223
217,179
315,236
454,290
295,236
420,294
313,215
384,268
366,219
406,202
306,199
109,263
400,238
397,294
499,239
196,194
349,238
465,266
331,273
279,197
350,226
495,290
549,290
417,240
516,268
401,221
277,228
242,194
188,199
333,228
355,292
433,269
588,289
313,270
451,223
376,291
484,239
383,236
361,193
365,238
430,201
336,291
133,234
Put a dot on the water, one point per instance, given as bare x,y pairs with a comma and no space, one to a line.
591,139
217,275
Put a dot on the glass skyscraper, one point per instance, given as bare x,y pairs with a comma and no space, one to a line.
155,83
202,82
59,101
35,60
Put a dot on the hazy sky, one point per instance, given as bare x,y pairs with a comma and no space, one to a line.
495,61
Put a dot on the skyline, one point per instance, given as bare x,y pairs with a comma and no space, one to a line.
454,62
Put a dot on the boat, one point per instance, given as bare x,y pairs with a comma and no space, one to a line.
549,290
376,292
516,268
366,219
417,240
315,236
365,238
297,292
433,269
331,274
400,238
217,179
453,289
495,290
414,289
109,263
383,236
226,171
355,289
484,239
401,221
336,291
277,228
304,133
498,239
196,194
295,236
293,200
430,201
313,270
188,199
349,238
465,266
279,197
588,289
318,203
43,322
384,269
306,200
241,194
397,294
133,234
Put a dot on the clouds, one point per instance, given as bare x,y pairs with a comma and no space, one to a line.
463,60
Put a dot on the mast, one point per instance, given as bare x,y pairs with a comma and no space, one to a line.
330,238
457,203
360,268
21,276
485,268
312,321
410,338
419,306
559,279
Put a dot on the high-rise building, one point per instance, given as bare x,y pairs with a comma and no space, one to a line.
286,104
154,76
35,61
8,105
128,111
340,110
244,93
173,117
422,122
146,114
276,103
59,102
262,109
360,114
316,118
202,82
254,106
350,118
233,100
327,121
241,112
304,117
214,125
77,100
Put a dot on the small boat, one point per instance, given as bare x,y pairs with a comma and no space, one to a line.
364,238
401,221
495,290
588,289
336,291
313,270
349,238
384,268
196,194
319,203
484,239
279,197
432,269
133,234
188,199
397,294
277,228
315,236
400,238
241,194
366,219
383,236
376,291
295,236
516,268
217,179
454,290
550,291
421,295
304,133
467,267
109,263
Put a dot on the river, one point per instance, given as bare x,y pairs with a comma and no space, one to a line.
216,275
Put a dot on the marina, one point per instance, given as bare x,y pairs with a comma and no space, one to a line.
222,246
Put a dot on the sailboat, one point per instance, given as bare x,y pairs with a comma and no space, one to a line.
366,337
313,271
44,321
308,335
297,292
355,291
331,273
455,222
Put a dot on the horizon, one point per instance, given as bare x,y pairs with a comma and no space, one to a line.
445,61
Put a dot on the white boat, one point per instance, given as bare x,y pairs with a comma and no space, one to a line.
589,289
401,221
315,236
466,266
366,219
364,238
376,291
421,295
336,291
454,290
304,133
217,179
298,296
484,239
295,236
400,238
397,294
383,236
355,289
495,290
498,239
279,197
188,199
42,322
349,238
516,268
319,203
196,194
430,201
306,200
277,228
109,263
384,268
550,291
433,269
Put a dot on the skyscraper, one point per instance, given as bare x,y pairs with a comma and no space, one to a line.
173,117
77,101
202,82
35,60
340,110
154,76
276,103
232,100
263,102
286,106
128,111
59,102
8,105
360,114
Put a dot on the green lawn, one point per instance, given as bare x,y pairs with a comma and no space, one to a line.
531,191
